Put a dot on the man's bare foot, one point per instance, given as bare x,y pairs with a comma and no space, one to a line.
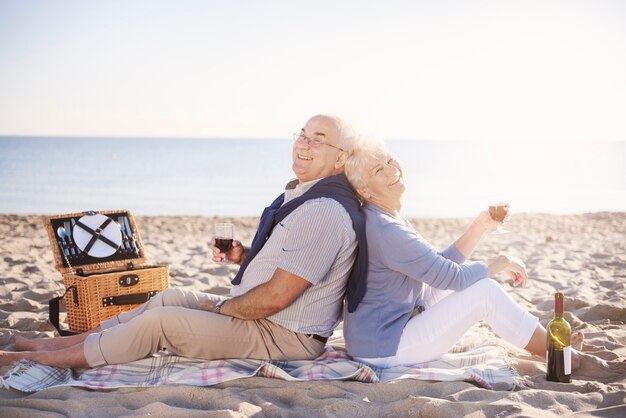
24,344
9,357
36,344
72,357
51,343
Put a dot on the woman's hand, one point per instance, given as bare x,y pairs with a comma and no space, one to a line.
517,271
236,254
487,222
514,267
483,223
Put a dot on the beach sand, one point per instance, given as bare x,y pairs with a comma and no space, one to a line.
583,255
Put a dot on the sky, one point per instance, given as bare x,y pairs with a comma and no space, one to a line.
438,70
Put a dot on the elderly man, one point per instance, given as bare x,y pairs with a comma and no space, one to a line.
287,296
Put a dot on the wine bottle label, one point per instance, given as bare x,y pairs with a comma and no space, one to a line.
567,360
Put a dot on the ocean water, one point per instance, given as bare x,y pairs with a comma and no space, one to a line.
237,177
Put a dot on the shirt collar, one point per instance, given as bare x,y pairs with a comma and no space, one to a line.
295,188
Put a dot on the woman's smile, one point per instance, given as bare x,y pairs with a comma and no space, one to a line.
396,181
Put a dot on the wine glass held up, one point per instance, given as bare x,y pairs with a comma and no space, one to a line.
499,212
224,239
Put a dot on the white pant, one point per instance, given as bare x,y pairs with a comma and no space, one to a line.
450,314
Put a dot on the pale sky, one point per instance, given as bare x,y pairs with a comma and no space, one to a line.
490,70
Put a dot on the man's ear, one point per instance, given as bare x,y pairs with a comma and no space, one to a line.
341,159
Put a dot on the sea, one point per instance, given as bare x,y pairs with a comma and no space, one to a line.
239,177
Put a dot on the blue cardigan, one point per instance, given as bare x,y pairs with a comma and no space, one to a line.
400,262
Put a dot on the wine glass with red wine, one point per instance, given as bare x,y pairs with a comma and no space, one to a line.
224,238
498,212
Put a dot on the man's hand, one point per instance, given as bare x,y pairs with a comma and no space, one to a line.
207,305
236,254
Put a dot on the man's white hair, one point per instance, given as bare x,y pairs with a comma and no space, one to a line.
347,134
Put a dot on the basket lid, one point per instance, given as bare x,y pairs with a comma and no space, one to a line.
97,235
94,241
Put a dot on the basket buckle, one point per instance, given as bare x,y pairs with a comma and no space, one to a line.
128,280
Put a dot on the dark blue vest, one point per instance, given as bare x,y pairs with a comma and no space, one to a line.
335,187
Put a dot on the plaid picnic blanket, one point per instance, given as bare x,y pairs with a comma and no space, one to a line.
480,363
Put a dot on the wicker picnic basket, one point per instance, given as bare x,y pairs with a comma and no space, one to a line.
100,280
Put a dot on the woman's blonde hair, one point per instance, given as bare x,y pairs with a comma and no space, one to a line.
356,164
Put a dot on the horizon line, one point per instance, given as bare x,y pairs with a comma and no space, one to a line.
287,138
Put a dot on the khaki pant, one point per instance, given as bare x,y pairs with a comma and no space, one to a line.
171,320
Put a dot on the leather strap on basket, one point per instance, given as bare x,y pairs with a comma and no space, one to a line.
132,299
53,311
96,235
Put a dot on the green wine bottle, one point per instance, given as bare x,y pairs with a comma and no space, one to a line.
559,350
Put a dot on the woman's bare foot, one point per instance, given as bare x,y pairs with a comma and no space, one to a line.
588,365
577,341
579,344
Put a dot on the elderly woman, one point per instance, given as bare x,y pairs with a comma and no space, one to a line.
419,302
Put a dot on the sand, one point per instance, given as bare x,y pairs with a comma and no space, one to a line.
584,255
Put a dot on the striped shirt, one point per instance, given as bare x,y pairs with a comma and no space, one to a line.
317,243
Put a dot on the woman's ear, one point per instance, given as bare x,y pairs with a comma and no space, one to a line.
364,193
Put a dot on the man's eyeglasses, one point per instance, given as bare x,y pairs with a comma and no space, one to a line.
313,142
